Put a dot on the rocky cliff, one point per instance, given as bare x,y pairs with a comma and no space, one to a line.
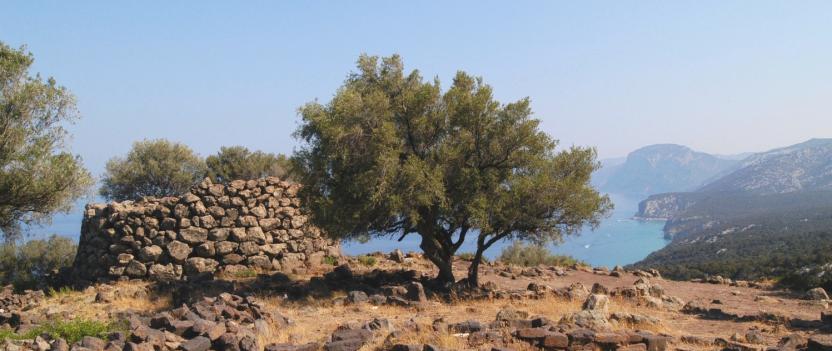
240,226
663,206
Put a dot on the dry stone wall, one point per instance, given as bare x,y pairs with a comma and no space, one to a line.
237,227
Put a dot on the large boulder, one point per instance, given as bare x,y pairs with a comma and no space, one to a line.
198,265
167,272
193,235
817,294
136,269
178,250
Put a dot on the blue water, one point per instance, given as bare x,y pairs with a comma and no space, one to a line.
618,241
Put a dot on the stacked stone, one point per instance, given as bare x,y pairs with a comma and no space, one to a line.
10,301
234,227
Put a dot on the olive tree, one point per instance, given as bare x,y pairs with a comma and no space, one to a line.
152,168
394,155
38,176
237,162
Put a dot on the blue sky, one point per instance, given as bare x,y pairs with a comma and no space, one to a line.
719,76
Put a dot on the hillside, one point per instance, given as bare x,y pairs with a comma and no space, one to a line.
802,167
770,218
662,168
747,236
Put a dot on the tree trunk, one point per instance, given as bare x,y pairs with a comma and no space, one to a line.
440,257
473,270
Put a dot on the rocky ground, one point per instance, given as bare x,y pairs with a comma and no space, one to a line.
390,305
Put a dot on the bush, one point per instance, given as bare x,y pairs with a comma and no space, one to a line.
368,261
71,331
152,168
330,260
532,255
29,265
237,162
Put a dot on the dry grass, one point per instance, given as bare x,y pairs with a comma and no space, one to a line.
81,304
314,320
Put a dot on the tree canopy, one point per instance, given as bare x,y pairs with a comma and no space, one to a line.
152,168
38,176
394,155
237,162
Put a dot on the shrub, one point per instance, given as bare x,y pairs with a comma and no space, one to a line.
62,291
532,255
330,260
368,261
237,162
30,264
152,168
71,331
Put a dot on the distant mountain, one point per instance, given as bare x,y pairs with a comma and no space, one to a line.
802,167
662,168
769,217
608,167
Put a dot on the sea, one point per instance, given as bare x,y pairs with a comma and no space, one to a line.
619,240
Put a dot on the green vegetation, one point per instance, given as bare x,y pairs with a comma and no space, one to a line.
392,154
245,273
38,176
62,291
366,260
152,168
71,331
749,237
163,168
330,260
532,255
237,162
28,265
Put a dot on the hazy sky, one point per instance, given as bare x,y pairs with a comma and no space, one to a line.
719,76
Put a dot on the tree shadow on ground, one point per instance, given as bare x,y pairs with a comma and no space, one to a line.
341,279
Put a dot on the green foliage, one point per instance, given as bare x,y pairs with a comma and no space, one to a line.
71,331
750,237
62,291
532,255
330,260
27,265
366,260
38,176
245,273
152,168
237,162
391,154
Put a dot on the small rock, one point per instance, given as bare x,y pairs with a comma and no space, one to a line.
357,296
199,343
397,256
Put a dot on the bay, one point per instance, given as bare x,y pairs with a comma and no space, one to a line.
619,240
